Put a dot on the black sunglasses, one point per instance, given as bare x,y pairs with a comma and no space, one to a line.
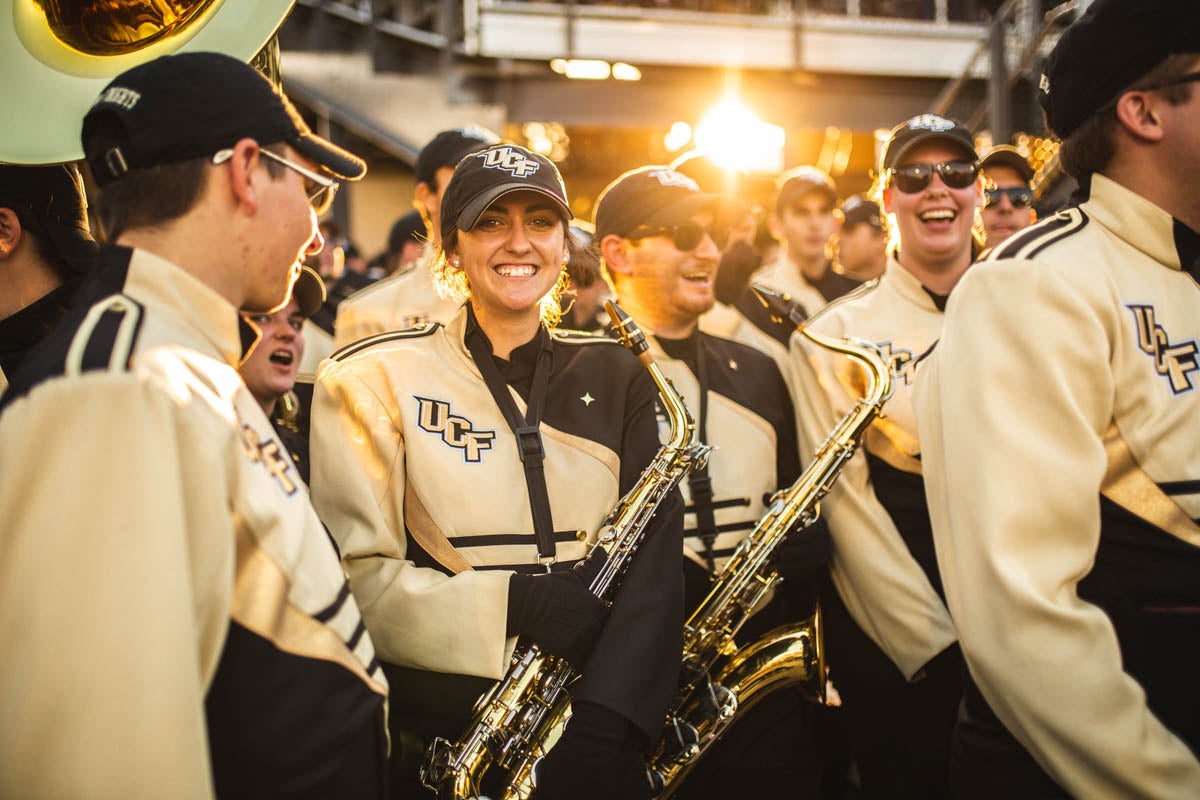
686,237
1019,196
913,178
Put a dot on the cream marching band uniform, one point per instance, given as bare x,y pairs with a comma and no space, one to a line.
418,475
887,587
751,426
224,654
1062,460
395,303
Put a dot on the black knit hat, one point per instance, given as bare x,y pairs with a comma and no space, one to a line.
1107,50
191,105
481,178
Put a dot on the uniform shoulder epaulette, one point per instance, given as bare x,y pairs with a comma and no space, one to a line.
421,329
106,338
569,336
1027,244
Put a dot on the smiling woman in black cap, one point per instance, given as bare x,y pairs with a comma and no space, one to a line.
455,462
890,640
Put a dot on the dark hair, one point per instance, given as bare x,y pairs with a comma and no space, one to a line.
1091,148
150,196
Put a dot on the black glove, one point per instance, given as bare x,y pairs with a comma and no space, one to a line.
801,558
556,611
601,756
738,263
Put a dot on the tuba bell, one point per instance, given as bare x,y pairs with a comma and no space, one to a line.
58,54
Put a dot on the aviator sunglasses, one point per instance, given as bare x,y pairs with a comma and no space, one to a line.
320,189
1019,196
913,178
687,236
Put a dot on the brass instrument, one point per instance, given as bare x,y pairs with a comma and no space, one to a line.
517,723
59,54
719,682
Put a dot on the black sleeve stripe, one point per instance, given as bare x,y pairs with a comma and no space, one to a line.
732,527
1180,487
501,539
1033,240
357,637
415,332
331,611
529,569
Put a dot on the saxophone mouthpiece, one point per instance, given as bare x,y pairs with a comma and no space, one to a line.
631,335
781,305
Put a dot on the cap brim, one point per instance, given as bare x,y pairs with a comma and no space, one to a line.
1013,161
58,85
338,162
473,210
934,136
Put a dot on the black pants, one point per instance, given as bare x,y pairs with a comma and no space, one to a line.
900,733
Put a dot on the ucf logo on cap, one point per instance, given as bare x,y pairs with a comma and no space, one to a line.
507,159
930,122
669,177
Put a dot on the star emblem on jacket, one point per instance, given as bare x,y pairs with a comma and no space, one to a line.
587,398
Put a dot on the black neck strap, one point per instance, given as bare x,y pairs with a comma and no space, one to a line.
525,429
699,482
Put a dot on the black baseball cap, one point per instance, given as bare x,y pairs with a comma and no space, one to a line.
1107,50
50,202
450,147
481,178
191,105
649,196
799,181
926,128
1005,155
858,209
408,228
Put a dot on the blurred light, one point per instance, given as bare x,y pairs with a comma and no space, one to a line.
678,137
581,69
626,72
735,138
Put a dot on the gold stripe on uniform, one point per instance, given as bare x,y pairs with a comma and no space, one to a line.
1127,485
260,604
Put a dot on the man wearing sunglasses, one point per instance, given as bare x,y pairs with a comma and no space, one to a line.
197,638
1059,418
653,228
1007,198
890,640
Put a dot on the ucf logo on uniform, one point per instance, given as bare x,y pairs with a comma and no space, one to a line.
901,359
1175,362
507,159
433,416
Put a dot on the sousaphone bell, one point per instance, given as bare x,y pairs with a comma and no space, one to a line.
56,56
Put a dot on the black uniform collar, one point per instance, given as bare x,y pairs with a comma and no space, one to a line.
30,325
518,368
1187,244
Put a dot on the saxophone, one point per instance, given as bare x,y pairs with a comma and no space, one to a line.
719,681
517,723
